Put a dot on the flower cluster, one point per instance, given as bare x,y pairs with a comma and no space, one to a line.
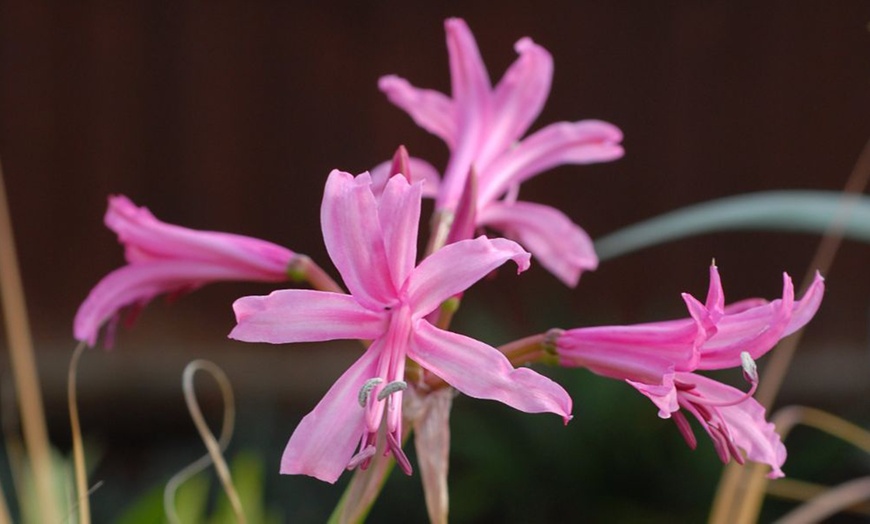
398,302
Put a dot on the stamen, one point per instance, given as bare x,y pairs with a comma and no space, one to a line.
720,442
750,370
362,458
366,390
685,429
395,447
392,387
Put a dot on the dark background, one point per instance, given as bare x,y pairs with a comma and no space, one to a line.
229,115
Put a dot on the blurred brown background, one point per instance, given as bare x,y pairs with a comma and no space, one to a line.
229,115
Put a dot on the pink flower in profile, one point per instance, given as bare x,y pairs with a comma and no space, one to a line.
483,125
373,243
164,258
660,360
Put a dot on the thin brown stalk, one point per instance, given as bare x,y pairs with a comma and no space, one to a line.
215,447
830,502
801,491
81,474
739,483
24,366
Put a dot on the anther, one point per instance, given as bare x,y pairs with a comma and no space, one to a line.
750,370
366,390
392,387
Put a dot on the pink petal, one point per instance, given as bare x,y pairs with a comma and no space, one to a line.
642,352
554,240
353,237
325,440
663,395
455,267
421,171
805,308
745,421
302,315
755,331
137,284
517,100
399,214
431,110
147,239
481,371
584,142
468,76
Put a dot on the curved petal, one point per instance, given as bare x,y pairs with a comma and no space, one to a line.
554,240
431,110
455,267
147,239
517,100
137,284
663,395
326,438
806,307
583,142
755,331
303,315
481,371
421,171
399,214
744,421
353,237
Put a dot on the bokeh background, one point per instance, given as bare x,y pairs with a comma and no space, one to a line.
229,115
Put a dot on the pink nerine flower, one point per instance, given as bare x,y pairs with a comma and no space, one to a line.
659,359
373,243
164,258
482,127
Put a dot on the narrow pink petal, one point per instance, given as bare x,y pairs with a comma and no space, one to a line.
517,100
147,239
431,110
745,421
806,307
481,371
472,110
421,171
353,237
430,415
755,331
455,267
324,442
303,315
554,240
399,214
715,295
137,284
584,142
468,76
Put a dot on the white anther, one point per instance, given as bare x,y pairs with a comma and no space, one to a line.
750,370
392,387
366,390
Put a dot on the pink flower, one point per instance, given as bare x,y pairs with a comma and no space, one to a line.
373,243
660,359
483,125
164,258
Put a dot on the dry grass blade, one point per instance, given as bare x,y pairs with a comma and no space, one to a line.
830,502
801,491
215,446
24,366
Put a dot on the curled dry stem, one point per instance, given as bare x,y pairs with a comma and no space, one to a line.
215,446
